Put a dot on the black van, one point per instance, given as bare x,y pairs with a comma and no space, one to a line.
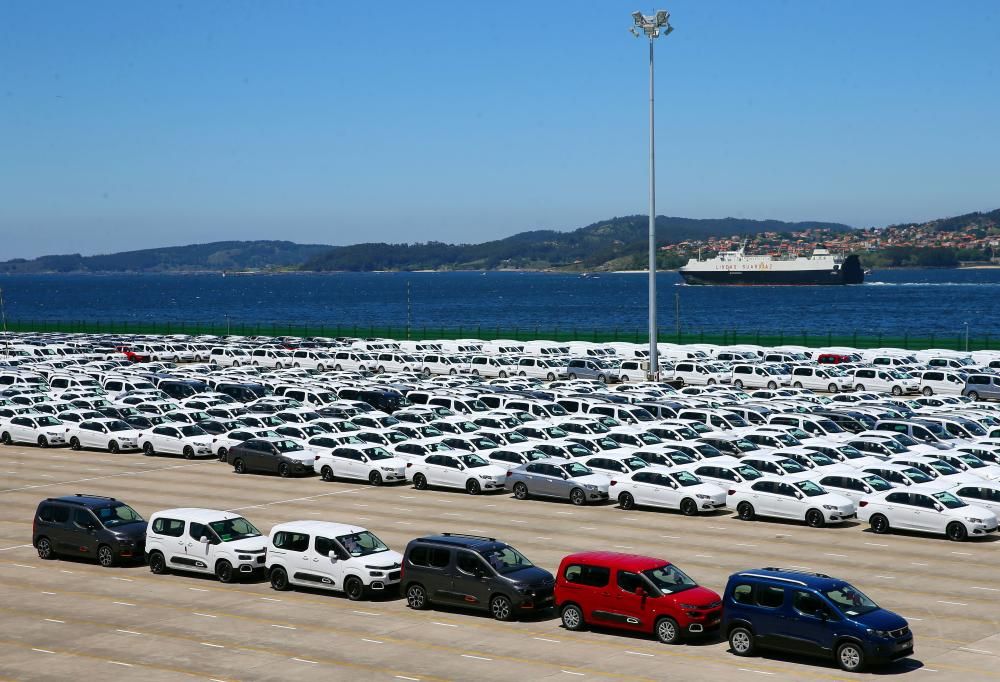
244,393
179,389
386,400
476,572
88,526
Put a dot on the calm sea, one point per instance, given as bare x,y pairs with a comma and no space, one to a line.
917,302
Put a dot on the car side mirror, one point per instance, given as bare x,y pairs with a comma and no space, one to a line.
333,556
640,592
938,507
798,496
204,540
564,475
867,489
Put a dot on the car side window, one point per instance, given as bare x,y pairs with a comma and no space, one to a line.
469,563
898,498
743,594
170,527
629,582
292,542
770,596
807,603
83,518
592,576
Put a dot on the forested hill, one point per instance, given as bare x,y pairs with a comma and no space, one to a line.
619,243
216,256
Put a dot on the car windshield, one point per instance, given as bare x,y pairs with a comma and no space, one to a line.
820,459
903,439
679,458
850,601
234,529
877,483
117,515
505,559
972,461
851,452
473,461
745,445
791,466
119,426
576,470
669,579
484,443
894,445
829,426
287,446
635,463
949,500
361,544
748,472
378,453
534,455
685,479
578,450
917,476
439,447
944,468
810,489
312,430
787,439
193,430
47,421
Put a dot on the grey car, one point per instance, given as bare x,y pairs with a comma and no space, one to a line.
558,478
982,387
589,368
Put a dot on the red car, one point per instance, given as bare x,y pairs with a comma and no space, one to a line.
131,355
636,593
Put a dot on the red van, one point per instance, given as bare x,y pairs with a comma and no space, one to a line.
636,593
834,358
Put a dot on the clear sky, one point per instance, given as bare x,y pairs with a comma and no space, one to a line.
129,124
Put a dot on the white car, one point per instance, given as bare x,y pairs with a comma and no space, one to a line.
726,474
108,434
367,462
985,494
464,471
204,541
33,427
612,464
188,440
791,499
943,473
886,380
330,556
966,461
510,458
667,488
854,486
926,509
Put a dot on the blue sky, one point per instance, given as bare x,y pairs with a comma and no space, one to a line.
135,124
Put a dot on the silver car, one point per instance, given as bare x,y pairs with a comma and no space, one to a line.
558,478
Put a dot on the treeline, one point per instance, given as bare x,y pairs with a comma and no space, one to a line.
921,257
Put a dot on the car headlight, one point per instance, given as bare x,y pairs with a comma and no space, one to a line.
973,520
387,469
590,486
879,633
703,497
831,507
376,574
245,557
689,606
485,476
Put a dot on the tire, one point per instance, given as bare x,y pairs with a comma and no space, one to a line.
147,449
797,384
520,491
879,524
296,365
814,518
548,377
859,387
577,496
44,548
188,452
897,390
354,588
956,531
284,470
472,487
626,501
105,556
113,447
223,454
711,382
43,442
452,371
689,507
236,363
224,571
277,365
601,378
571,376
741,641
738,384
667,631
832,388
279,579
475,372
851,657
239,466
974,396
928,391
320,368
501,608
326,473
338,368
420,482
427,371
380,370
375,478
572,617
74,443
502,375
157,564
416,597
745,511
772,386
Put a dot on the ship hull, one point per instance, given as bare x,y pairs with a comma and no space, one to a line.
849,273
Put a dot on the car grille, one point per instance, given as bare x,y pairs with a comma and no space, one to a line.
260,559
901,632
395,575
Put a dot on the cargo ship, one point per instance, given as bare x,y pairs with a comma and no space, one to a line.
739,268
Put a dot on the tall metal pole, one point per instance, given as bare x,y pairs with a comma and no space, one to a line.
654,369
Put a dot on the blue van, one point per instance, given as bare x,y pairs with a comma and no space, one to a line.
811,613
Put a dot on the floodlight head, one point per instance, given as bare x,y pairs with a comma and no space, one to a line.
638,18
662,17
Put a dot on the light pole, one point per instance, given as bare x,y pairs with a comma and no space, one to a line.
652,27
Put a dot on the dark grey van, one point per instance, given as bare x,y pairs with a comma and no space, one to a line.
88,526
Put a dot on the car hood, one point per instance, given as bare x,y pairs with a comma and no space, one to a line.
257,544
130,531
386,560
304,456
880,619
531,577
600,480
698,596
973,511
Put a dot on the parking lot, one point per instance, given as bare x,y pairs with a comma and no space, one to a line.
69,618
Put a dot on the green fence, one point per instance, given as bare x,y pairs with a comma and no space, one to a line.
855,339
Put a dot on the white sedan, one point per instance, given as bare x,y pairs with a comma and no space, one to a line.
670,489
468,471
786,498
370,463
188,440
32,427
108,434
985,494
927,509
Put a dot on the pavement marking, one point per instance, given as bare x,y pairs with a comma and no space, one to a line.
717,527
564,513
283,627
542,537
404,677
952,603
65,571
52,593
751,670
129,632
124,580
886,577
988,589
403,523
517,521
305,660
743,544
570,672
875,544
451,514
366,613
373,641
53,620
214,646
478,658
590,528
122,603
623,546
975,651
42,651
23,566
408,497
98,478
704,556
639,653
358,504
204,615
127,665
669,537
841,556
202,589
447,625
4,549
291,499
963,553
914,563
543,639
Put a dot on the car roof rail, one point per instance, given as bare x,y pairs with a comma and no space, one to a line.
96,497
789,570
466,535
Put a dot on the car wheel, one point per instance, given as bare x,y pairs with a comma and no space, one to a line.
223,453
475,372
626,501
738,384
601,378
380,370
113,447
277,365
623,378
420,482
520,491
797,384
879,524
772,386
667,631
147,449
814,518
296,365
689,507
188,452
427,371
572,617
745,511
74,443
502,374
224,571
571,376
472,487
897,390
711,382
928,391
279,579
375,478
239,467
338,368
974,396
416,597
956,531
236,363
354,588
452,371
105,556
43,442
859,387
850,657
832,388
501,608
548,377
44,549
284,470
577,496
157,564
741,641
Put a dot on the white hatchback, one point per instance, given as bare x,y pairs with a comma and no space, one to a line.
790,499
189,440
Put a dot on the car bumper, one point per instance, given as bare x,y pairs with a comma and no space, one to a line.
699,622
888,652
982,529
539,601
838,517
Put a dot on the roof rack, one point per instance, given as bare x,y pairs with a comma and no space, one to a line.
789,570
471,537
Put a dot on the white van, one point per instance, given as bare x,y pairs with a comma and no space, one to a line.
940,380
827,378
204,541
229,356
884,379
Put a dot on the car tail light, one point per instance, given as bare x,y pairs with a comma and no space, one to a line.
732,492
614,482
509,474
409,464
863,503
